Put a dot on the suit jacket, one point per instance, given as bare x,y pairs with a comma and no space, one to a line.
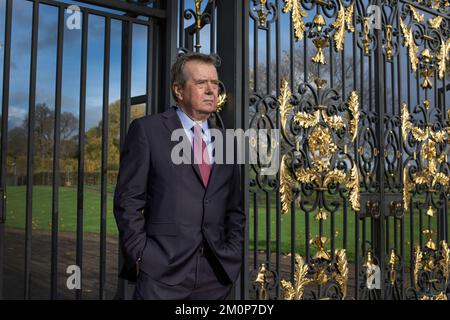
164,212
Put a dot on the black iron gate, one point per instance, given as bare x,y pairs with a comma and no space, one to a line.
57,233
357,89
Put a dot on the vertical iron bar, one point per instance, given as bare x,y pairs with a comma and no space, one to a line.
56,153
307,236
380,105
181,25
332,235
305,58
344,225
293,246
387,224
277,194
155,75
420,227
30,148
268,229
291,53
105,137
331,64
213,28
244,125
125,105
81,145
4,137
150,65
356,257
268,60
255,57
255,230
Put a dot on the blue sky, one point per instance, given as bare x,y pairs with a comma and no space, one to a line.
46,68
21,44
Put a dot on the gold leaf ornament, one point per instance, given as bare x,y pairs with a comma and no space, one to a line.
353,185
295,291
353,105
222,99
342,267
284,102
307,176
336,176
287,183
443,58
436,22
407,185
307,120
294,7
416,15
343,23
335,122
410,44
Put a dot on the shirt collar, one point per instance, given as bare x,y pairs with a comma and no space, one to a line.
188,123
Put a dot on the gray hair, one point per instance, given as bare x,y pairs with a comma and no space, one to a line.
177,74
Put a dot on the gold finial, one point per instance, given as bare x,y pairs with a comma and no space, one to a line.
319,22
389,48
427,55
321,215
262,15
393,259
320,44
261,280
430,244
198,4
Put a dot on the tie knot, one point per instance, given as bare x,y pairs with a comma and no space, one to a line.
198,130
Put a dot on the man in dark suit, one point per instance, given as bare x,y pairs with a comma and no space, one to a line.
181,225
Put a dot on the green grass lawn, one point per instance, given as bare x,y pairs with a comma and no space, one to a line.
67,215
42,217
300,238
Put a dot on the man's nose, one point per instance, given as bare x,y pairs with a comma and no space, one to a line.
209,88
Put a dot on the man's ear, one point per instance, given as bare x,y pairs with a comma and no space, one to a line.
178,92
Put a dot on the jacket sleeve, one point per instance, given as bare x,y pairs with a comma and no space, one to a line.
234,224
130,193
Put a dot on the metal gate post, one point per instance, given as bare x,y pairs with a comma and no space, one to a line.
232,47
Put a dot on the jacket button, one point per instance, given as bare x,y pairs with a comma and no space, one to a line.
206,201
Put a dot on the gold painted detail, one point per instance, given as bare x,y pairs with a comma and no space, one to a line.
262,15
431,155
389,48
432,261
262,282
198,27
321,149
435,22
393,261
416,15
410,45
366,38
443,58
294,7
221,102
320,44
317,274
342,24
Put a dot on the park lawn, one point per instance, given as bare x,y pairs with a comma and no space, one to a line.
300,239
67,215
42,205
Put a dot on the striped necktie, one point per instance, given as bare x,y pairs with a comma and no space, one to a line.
201,156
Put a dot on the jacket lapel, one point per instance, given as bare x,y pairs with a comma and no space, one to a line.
172,123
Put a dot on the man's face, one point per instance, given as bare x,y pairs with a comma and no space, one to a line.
200,92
